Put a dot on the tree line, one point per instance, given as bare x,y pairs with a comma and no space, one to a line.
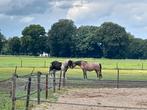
65,39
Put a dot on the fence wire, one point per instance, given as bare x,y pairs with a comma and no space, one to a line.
22,85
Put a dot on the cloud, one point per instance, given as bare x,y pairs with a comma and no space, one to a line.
89,11
27,19
23,7
128,13
61,4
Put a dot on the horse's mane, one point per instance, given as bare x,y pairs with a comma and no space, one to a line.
79,62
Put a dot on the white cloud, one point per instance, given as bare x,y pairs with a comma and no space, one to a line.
27,19
129,13
88,10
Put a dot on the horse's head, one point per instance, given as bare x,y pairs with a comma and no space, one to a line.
70,64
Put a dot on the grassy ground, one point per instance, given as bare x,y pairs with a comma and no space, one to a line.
27,61
25,65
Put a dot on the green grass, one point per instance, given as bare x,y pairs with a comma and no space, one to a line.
8,64
27,61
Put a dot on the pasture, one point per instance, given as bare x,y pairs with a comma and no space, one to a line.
25,65
130,70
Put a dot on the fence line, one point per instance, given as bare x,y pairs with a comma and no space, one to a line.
38,77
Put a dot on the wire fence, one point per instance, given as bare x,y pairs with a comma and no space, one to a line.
23,92
25,63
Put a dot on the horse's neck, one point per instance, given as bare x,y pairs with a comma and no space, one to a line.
64,65
78,63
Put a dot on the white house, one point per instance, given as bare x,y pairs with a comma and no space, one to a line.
44,55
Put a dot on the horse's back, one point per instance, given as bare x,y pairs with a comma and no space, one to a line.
55,65
91,66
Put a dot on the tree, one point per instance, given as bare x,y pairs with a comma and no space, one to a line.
2,41
114,39
144,49
34,39
61,38
25,45
14,45
87,44
135,49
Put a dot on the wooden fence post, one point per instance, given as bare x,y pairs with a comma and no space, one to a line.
38,87
13,91
15,71
142,66
21,63
60,80
28,93
54,81
44,63
117,65
46,86
117,78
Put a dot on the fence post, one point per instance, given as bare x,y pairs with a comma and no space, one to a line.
117,78
13,91
44,63
60,80
46,86
54,81
38,87
28,93
116,65
15,71
21,63
142,66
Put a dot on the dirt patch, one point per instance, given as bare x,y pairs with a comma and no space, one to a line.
100,99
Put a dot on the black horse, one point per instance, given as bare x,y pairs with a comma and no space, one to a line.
62,67
59,66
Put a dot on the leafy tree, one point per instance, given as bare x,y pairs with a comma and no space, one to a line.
2,41
144,49
25,45
34,39
5,49
87,44
61,38
14,45
114,39
135,49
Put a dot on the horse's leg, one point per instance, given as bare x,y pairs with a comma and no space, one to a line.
100,76
83,73
64,74
60,79
86,74
97,73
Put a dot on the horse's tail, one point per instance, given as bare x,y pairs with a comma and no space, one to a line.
100,68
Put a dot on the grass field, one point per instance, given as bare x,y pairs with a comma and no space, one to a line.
25,65
27,61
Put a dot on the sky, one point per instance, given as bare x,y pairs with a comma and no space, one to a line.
15,15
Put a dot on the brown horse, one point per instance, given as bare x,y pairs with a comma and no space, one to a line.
85,66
